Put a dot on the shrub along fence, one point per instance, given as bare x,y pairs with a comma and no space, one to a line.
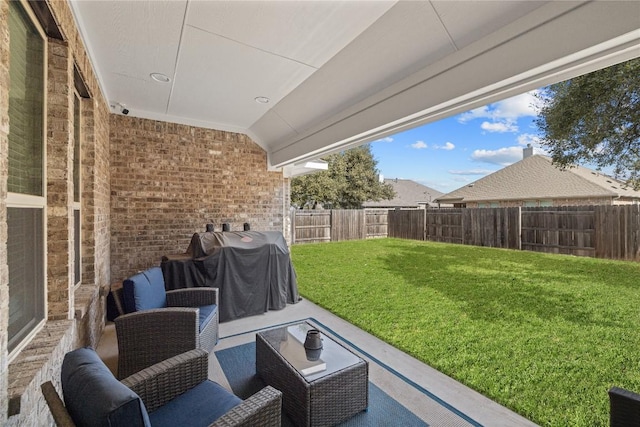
598,231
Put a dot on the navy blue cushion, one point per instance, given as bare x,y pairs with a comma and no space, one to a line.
205,314
144,291
94,397
199,406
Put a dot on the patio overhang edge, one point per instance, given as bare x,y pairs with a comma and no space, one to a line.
360,124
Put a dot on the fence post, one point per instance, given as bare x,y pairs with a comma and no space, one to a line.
519,227
424,225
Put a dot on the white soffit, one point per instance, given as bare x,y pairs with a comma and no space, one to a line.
374,60
233,52
340,73
209,88
469,21
305,168
556,41
127,40
309,32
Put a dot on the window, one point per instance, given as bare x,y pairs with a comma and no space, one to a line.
77,225
26,198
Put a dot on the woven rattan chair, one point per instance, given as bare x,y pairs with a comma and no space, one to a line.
154,334
161,383
624,408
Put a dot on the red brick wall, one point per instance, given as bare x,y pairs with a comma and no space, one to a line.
169,180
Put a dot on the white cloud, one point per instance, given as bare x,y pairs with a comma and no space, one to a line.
448,146
524,105
533,140
503,115
476,113
528,138
471,172
419,145
500,127
463,179
518,106
503,156
387,139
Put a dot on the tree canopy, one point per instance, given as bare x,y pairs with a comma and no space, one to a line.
351,179
595,118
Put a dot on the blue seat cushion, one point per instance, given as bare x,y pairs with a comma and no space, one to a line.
144,291
199,406
206,313
94,397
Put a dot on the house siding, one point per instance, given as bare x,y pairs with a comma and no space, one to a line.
555,202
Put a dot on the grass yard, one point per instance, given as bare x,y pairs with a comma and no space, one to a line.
544,335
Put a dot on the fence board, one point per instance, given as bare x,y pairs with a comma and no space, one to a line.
564,230
407,224
602,231
445,225
311,226
492,227
618,232
348,224
377,222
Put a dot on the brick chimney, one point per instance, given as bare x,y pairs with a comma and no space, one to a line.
527,151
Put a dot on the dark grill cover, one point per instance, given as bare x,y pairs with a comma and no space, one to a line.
252,270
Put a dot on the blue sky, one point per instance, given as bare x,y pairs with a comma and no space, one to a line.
450,153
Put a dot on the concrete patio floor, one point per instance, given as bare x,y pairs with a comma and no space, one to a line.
415,385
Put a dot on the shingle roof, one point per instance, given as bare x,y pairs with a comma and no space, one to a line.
408,195
535,178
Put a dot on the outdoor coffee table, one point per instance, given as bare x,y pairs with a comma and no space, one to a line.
335,393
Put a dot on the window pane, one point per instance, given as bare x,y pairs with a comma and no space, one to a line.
76,246
76,149
26,275
26,102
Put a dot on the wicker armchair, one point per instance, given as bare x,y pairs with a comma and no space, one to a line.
168,324
624,408
174,378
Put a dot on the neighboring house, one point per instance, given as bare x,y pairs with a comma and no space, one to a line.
409,194
535,181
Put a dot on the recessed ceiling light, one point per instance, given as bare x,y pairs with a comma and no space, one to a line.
262,100
160,78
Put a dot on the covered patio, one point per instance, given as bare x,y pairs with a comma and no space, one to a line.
126,127
433,397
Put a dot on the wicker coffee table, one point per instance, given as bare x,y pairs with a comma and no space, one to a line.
325,398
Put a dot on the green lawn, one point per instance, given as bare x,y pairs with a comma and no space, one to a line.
544,335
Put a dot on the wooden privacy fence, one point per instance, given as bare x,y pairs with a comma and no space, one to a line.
308,226
599,231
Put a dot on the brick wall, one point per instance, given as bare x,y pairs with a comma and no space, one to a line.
81,310
59,182
146,188
4,148
168,181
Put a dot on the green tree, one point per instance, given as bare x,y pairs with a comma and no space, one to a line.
351,179
595,118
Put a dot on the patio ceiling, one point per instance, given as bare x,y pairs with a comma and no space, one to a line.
340,73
